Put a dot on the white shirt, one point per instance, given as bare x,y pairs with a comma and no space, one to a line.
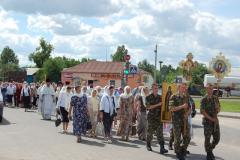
26,91
64,100
10,90
106,104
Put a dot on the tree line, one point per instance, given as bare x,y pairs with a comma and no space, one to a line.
52,66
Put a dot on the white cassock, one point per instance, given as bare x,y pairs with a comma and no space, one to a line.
38,101
47,98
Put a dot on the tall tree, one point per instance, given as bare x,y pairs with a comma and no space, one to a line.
118,56
8,63
146,66
198,74
42,53
53,66
8,56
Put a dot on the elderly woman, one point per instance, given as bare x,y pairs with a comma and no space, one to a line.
140,103
93,107
126,102
80,113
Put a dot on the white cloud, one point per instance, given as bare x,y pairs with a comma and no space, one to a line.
87,8
177,26
59,24
7,23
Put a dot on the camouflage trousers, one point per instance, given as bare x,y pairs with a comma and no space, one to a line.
178,132
208,132
171,138
154,125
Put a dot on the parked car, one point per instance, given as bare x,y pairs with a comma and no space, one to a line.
217,92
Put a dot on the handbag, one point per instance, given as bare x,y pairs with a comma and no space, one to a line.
58,122
100,129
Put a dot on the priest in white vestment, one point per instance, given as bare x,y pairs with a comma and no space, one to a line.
47,98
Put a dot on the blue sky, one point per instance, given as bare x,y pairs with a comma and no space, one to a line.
204,28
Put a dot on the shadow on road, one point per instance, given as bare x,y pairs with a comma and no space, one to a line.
119,142
91,143
200,157
50,120
192,143
173,156
6,122
197,126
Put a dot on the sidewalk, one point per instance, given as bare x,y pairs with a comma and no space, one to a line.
225,114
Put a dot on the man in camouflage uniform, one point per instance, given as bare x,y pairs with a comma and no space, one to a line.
179,108
153,105
191,112
210,107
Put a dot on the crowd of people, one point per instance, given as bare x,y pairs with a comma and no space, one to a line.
130,113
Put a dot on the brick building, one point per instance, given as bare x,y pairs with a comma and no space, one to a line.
104,73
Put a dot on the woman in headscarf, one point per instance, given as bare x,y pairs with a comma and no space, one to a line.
108,110
79,109
140,103
93,108
126,102
63,105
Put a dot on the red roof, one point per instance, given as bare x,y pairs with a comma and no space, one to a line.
97,67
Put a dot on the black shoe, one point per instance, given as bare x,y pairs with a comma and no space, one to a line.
209,156
185,152
170,147
149,148
180,156
163,150
212,155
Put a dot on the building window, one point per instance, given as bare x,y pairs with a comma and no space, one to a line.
112,82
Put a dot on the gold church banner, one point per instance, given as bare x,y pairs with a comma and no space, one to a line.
167,91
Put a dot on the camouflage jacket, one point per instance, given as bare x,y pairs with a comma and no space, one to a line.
175,101
152,100
209,106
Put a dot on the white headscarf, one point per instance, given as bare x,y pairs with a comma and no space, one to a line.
143,96
106,90
125,94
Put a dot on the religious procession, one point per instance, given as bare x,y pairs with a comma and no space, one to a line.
109,112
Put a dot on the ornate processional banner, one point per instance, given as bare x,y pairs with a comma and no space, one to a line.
167,91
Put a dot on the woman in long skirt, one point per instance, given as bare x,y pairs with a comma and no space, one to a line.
93,111
80,113
126,113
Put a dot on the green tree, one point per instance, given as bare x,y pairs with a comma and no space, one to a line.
118,56
8,63
42,53
53,66
146,66
198,74
8,56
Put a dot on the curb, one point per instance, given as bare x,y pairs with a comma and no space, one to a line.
223,115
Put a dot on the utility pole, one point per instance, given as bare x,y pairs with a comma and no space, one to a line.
155,72
126,69
160,63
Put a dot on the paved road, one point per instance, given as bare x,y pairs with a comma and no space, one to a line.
24,136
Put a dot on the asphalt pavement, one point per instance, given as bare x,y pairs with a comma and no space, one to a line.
25,136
